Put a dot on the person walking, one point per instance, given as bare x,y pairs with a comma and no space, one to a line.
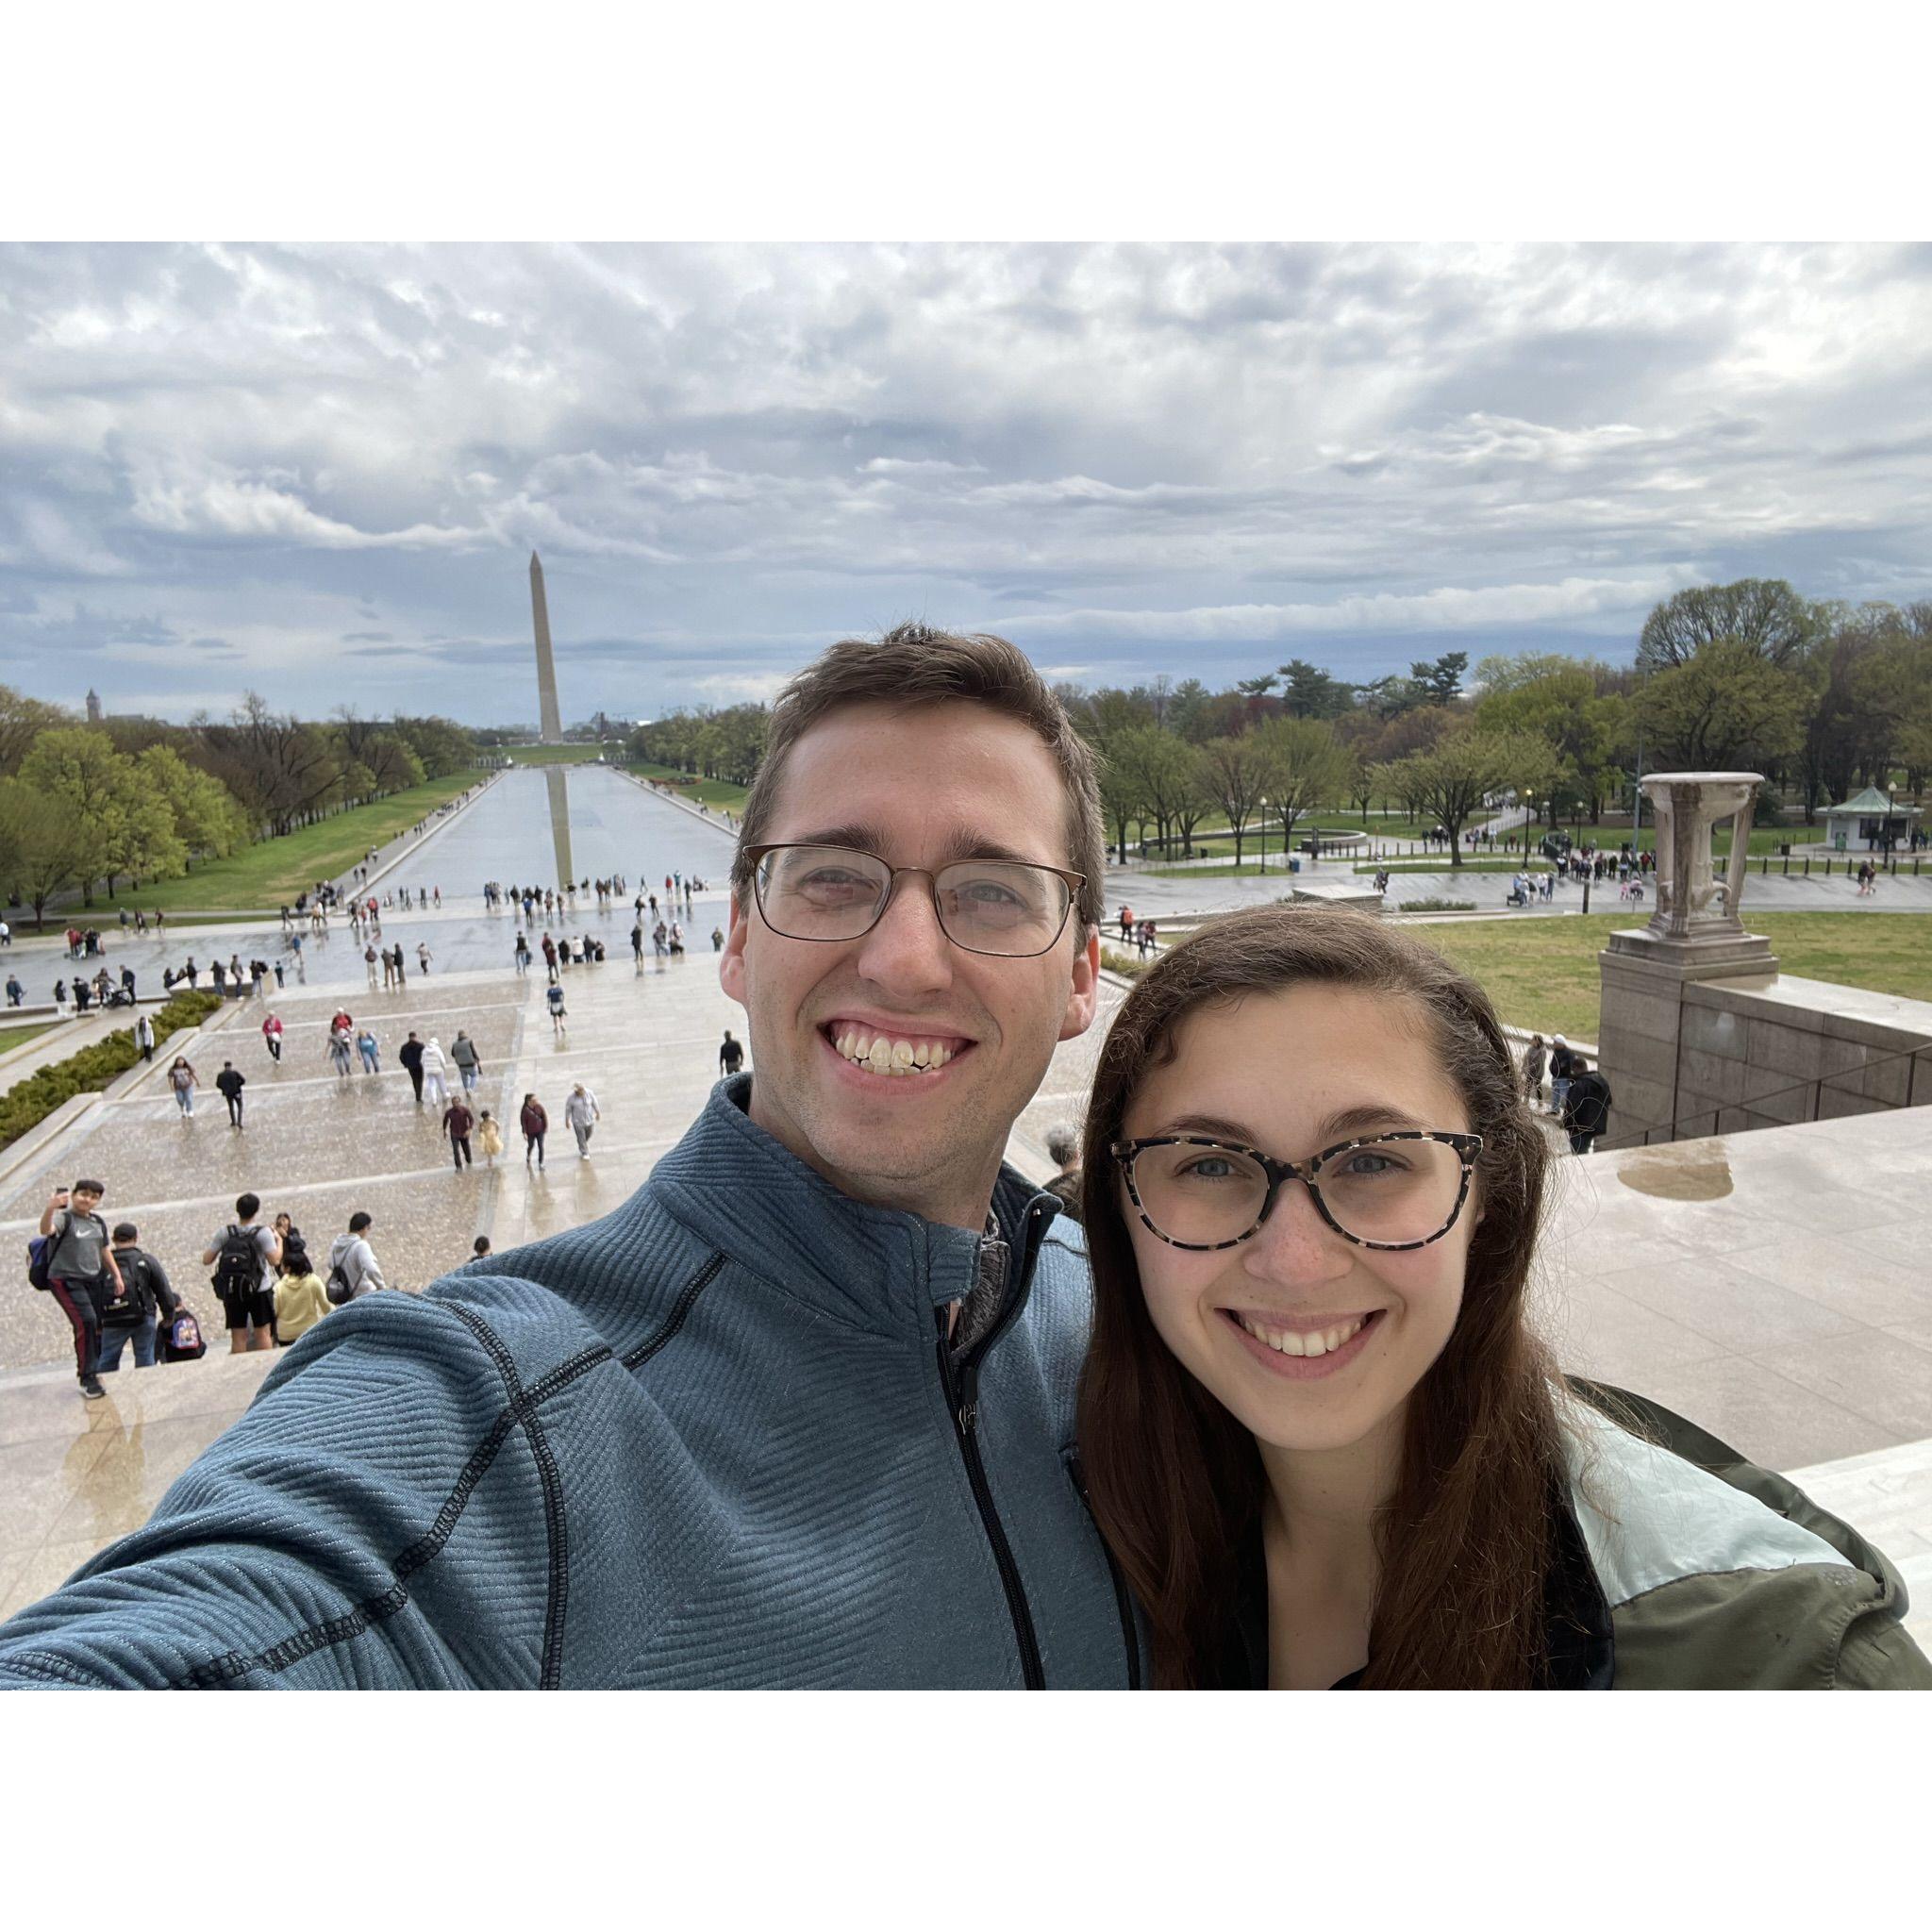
145,1037
340,1041
1562,1064
370,1048
184,1081
637,943
535,1123
1535,1057
581,1114
489,1138
352,1269
411,1058
553,998
369,962
522,956
244,1256
15,991
272,1034
730,1057
1586,1105
457,1122
469,1062
230,1083
301,1300
423,956
81,1271
130,1315
435,1073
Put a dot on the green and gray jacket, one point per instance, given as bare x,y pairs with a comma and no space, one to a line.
1682,1566
1719,1575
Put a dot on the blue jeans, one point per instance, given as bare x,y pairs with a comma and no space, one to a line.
368,1059
1560,1091
142,1339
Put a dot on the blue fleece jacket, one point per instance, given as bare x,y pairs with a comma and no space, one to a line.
714,1439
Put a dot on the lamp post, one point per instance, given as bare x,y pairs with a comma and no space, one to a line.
1264,836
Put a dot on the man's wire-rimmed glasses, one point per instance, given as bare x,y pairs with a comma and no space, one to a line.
1398,1189
1005,907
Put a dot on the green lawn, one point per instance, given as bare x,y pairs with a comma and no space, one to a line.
1542,973
699,790
11,1037
557,754
260,876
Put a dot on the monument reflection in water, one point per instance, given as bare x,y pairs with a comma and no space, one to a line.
558,783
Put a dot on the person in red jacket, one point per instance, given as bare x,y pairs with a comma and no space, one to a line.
272,1032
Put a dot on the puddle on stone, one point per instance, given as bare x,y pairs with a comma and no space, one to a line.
1691,1171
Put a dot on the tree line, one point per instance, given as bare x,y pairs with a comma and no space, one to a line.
89,805
1823,697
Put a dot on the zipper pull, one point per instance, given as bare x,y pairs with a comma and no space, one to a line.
968,1393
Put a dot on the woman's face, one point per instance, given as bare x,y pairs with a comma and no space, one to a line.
1291,1074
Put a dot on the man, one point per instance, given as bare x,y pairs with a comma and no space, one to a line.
81,1271
457,1122
411,1055
230,1083
244,1257
129,1316
352,1256
369,963
1562,1065
469,1062
582,1112
730,1056
637,942
15,991
1586,1105
832,1340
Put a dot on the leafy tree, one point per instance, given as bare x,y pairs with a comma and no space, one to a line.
1188,711
1725,709
1440,680
206,819
21,719
120,826
1465,768
1308,691
1303,768
1764,614
1122,790
42,844
1234,771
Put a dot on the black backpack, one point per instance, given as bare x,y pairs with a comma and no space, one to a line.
130,1303
238,1264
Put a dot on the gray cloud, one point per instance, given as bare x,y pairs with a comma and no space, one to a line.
333,461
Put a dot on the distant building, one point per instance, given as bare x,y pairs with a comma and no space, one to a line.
93,707
1869,823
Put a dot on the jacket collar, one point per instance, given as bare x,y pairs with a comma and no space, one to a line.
735,1187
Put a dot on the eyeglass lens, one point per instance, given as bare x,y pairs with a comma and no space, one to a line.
987,906
1383,1191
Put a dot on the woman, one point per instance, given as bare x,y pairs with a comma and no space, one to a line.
301,1300
535,1123
1535,1058
370,1049
184,1081
1316,1430
435,1074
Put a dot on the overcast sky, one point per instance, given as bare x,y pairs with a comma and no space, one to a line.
320,471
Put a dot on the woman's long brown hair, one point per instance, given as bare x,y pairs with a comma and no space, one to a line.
1467,1540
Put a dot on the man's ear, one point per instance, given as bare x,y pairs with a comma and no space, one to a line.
731,973
1083,997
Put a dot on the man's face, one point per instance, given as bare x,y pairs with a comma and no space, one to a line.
918,788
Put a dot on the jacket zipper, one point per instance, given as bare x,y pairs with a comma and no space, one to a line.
962,1392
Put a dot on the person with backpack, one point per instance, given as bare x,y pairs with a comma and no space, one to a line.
352,1269
230,1083
1586,1105
535,1123
552,997
77,1268
301,1301
369,961
131,1314
243,1258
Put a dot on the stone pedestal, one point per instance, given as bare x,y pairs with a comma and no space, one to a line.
1695,937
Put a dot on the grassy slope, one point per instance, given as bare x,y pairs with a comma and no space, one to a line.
1542,973
553,754
260,876
700,790
11,1037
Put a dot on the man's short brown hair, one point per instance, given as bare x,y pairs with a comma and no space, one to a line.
914,665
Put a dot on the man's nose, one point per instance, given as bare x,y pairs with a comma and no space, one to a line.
908,950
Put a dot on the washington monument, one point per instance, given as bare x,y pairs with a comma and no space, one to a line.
552,727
